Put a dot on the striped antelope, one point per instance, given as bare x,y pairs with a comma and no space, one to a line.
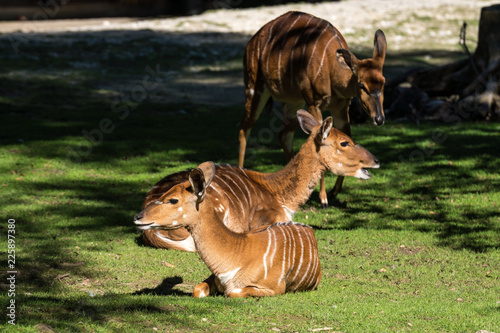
268,261
299,58
246,200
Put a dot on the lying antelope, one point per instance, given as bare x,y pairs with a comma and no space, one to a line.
269,261
299,58
246,200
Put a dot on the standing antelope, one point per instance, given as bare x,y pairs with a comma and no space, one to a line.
246,200
299,58
270,261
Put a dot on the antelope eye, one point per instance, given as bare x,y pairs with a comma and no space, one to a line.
361,85
173,201
344,143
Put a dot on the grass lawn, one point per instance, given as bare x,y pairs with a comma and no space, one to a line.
416,248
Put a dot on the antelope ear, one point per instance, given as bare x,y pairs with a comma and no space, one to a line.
208,169
200,178
326,127
347,59
307,121
197,181
379,46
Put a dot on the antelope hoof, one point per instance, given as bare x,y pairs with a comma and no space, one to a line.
201,290
324,203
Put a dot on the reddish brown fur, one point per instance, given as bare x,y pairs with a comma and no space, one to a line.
298,57
270,261
252,199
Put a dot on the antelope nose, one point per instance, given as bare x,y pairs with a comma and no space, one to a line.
379,120
138,217
377,161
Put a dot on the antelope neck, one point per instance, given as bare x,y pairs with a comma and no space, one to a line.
217,245
294,184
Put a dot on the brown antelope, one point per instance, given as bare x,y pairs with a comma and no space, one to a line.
246,200
269,261
299,58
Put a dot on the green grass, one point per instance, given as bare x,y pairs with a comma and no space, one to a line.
416,248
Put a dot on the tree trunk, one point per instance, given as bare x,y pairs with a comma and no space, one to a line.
470,85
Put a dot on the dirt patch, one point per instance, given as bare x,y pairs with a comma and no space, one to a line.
209,48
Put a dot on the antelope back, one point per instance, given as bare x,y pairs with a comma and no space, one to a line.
290,48
299,55
239,201
244,199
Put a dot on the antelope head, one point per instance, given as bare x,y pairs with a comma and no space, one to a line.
370,80
179,206
337,151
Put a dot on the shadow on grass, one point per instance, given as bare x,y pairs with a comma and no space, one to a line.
66,314
442,181
50,94
166,288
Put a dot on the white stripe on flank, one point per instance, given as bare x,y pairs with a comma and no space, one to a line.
270,34
289,234
293,49
314,259
323,57
228,196
284,253
281,51
292,249
271,259
247,193
237,176
314,47
267,252
309,263
301,255
336,35
307,39
212,186
257,191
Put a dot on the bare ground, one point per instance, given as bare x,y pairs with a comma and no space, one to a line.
214,42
